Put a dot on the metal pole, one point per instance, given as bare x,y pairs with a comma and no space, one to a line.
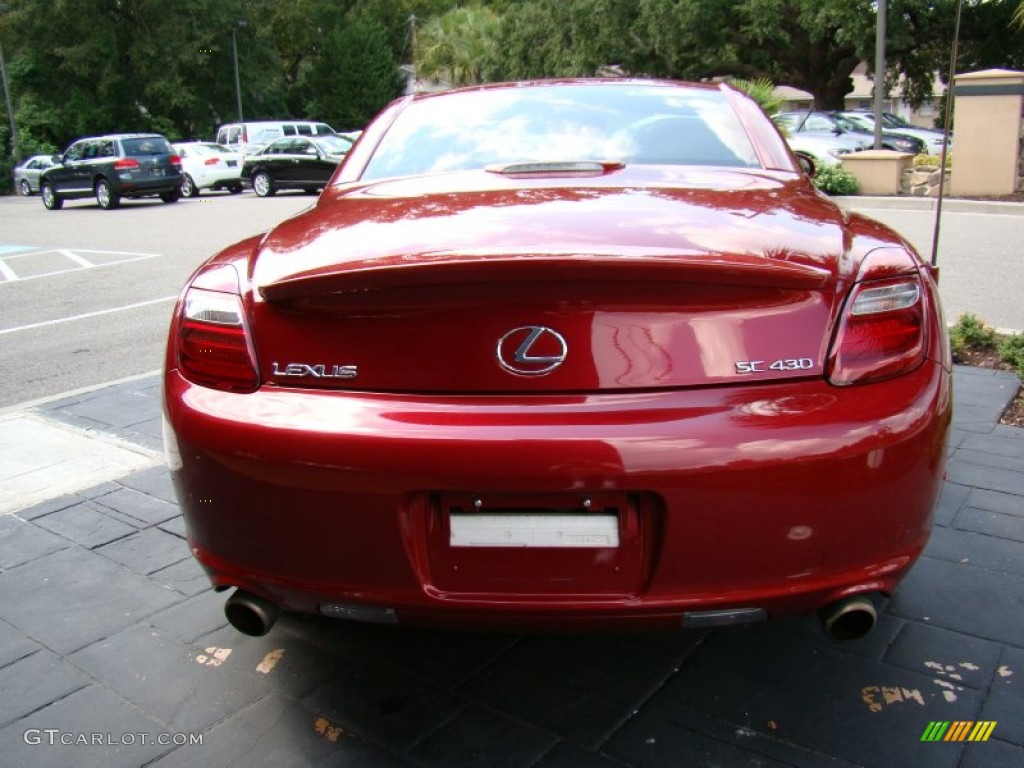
945,134
15,152
879,71
238,82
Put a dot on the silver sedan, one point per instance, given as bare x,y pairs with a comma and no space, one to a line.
26,175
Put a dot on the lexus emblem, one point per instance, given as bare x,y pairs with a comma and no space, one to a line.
532,350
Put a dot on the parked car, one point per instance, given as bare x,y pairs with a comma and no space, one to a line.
931,138
817,151
111,168
298,162
252,136
207,165
836,123
26,175
579,354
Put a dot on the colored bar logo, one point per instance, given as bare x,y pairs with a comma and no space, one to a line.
966,730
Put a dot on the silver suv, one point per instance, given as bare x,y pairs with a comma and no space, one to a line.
113,167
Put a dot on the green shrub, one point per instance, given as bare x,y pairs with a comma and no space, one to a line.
1011,349
836,180
932,161
969,332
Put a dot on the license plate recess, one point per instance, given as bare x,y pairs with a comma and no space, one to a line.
532,545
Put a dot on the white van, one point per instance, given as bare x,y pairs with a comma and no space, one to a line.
248,137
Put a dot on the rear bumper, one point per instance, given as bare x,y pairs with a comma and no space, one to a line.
228,177
782,498
132,187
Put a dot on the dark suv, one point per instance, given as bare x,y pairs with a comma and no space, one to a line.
112,167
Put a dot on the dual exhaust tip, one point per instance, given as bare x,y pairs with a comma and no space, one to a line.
250,614
850,618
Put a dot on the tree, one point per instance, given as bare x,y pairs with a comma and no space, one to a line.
809,44
554,38
762,91
83,67
459,47
353,78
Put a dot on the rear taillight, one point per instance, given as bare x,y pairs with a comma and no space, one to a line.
882,333
211,161
214,348
176,161
126,164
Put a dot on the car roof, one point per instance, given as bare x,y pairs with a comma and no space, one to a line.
123,136
586,81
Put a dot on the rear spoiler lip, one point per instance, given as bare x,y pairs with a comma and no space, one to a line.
444,268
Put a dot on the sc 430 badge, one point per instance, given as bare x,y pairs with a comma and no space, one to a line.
786,364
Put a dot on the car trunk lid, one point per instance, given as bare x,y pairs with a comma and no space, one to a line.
511,286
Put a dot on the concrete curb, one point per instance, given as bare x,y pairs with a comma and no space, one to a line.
954,205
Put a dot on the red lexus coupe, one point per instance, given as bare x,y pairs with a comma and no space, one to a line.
556,355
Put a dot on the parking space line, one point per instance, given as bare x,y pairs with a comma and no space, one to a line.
79,260
7,273
87,315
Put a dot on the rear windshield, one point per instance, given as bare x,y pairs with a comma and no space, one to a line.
147,145
335,145
635,124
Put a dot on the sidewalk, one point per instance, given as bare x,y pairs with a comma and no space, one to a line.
113,650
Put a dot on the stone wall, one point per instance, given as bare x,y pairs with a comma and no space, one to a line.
922,181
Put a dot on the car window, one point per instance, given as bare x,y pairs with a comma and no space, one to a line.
335,145
105,148
862,122
624,123
817,123
146,145
305,130
846,123
289,130
75,151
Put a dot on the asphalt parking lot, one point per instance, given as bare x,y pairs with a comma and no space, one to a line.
86,294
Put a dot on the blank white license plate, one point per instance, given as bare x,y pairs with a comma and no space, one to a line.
530,530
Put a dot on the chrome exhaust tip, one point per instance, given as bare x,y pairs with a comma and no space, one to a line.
848,619
250,614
